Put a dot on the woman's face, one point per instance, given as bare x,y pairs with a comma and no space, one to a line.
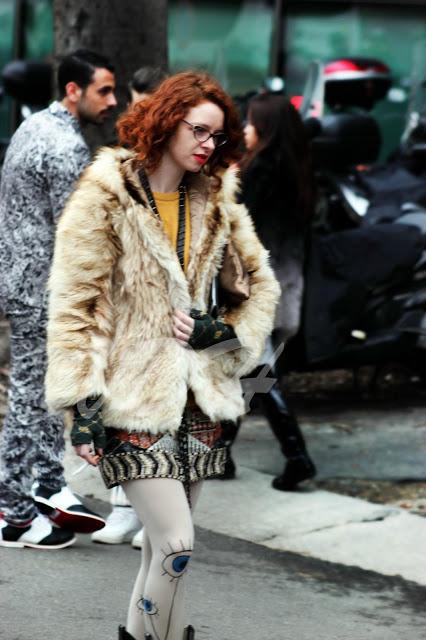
184,149
251,137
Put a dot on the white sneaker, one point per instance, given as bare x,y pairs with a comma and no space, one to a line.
137,539
36,534
121,525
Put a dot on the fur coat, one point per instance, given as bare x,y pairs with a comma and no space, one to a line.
114,284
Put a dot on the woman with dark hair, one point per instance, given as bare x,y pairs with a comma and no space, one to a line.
137,249
277,188
276,169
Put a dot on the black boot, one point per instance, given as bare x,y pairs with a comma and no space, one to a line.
230,468
296,470
189,633
286,429
125,635
230,432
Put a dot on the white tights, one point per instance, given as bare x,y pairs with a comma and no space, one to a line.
156,604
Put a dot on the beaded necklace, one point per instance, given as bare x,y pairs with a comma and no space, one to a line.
180,241
182,436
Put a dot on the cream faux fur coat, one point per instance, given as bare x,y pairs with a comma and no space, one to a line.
114,284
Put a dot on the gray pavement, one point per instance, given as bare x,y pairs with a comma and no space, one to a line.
362,440
236,591
268,565
321,524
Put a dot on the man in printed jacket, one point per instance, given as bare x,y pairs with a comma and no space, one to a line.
44,160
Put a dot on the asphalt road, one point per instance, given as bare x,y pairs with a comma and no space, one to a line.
357,439
236,591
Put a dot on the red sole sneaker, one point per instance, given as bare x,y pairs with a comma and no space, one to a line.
80,521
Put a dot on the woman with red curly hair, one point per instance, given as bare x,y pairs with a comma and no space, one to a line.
136,359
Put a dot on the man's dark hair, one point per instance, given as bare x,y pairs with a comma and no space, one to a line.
79,67
146,80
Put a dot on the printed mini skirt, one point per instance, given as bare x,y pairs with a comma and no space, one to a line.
196,452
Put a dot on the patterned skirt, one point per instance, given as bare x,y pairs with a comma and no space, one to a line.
197,451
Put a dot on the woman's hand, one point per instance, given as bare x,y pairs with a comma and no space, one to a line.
183,326
85,451
209,331
88,434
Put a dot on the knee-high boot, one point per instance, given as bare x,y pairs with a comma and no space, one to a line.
125,635
188,634
283,422
230,432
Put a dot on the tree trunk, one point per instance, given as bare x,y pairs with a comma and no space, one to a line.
132,33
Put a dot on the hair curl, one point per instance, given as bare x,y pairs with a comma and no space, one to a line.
148,126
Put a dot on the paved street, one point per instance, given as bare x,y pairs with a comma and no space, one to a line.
267,565
374,444
237,591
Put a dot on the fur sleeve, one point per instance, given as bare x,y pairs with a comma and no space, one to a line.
252,320
80,306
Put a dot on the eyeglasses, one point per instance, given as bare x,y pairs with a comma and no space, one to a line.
202,134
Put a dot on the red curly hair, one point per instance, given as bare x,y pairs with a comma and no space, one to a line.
148,126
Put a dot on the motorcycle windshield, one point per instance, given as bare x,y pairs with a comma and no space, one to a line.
415,130
313,95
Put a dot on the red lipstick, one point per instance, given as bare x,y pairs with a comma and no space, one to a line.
201,159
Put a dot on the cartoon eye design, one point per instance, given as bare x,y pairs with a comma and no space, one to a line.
175,564
147,606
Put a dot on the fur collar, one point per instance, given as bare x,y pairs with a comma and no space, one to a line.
115,169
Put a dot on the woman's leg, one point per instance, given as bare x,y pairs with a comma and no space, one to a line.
156,605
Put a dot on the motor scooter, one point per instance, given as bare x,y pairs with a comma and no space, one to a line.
365,275
353,188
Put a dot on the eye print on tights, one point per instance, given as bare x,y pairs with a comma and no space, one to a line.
147,606
175,564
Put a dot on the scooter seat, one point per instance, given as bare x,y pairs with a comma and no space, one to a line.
346,140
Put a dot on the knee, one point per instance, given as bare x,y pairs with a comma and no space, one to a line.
175,556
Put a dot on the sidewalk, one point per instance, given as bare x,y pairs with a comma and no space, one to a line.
267,565
315,523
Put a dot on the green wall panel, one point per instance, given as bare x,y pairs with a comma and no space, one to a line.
39,29
229,39
6,48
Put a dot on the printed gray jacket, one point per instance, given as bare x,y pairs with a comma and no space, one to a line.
45,158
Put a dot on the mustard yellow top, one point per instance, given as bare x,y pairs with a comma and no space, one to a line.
168,210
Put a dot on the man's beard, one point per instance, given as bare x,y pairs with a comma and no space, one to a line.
87,116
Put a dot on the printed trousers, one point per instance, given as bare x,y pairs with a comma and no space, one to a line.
31,441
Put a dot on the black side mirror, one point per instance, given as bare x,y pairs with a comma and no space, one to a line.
28,81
